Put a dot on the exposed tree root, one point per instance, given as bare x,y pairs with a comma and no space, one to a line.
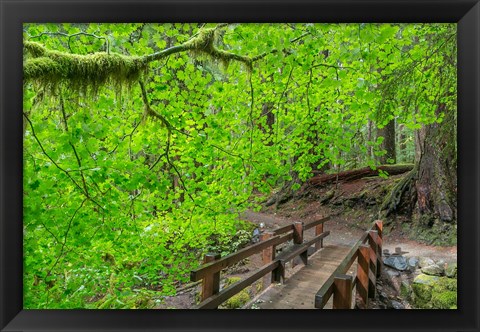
394,199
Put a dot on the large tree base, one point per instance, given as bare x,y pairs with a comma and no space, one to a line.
423,225
430,230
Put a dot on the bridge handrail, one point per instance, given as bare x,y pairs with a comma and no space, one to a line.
210,272
235,257
277,266
215,300
307,225
246,252
338,277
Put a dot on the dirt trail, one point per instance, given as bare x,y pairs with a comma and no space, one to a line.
342,232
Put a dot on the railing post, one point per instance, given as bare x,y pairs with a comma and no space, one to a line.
297,236
363,268
268,255
379,224
211,282
298,232
342,292
372,241
318,231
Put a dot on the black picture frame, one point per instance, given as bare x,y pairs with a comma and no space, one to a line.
14,13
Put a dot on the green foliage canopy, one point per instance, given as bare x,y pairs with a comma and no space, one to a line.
124,192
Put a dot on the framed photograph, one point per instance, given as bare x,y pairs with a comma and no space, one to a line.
159,158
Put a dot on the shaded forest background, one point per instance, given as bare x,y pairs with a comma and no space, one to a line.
143,143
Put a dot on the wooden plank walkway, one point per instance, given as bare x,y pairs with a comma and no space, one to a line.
298,291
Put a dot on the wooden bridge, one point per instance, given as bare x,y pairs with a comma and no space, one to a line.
347,273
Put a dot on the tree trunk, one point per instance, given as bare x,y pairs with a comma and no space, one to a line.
435,211
429,192
388,144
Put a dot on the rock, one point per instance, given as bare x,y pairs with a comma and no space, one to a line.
405,289
412,263
392,273
393,278
451,270
397,262
425,279
433,270
425,261
432,292
397,305
382,296
256,235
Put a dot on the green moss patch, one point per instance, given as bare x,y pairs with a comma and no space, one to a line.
240,299
434,293
444,300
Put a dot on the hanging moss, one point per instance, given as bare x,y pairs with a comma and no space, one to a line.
34,49
203,41
204,44
85,73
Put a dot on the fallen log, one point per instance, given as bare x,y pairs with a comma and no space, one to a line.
355,174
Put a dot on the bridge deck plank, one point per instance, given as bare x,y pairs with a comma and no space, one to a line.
298,291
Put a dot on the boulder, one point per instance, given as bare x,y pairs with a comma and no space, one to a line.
405,289
433,292
397,262
425,279
433,270
451,270
397,305
392,273
425,261
412,263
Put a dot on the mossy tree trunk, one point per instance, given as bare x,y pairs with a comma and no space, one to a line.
434,214
428,193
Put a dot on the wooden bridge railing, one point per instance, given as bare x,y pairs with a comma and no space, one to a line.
367,251
211,295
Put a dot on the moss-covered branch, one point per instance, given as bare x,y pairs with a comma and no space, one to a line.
88,72
83,72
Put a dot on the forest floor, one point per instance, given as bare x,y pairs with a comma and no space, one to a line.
351,207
